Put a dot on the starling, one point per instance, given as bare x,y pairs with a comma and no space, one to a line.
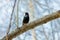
26,18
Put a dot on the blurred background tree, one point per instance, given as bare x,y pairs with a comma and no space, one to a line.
36,9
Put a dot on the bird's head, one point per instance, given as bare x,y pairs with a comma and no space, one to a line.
26,13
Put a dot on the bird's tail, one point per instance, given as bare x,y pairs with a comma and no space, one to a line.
23,24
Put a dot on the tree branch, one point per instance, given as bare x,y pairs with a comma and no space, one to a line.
32,25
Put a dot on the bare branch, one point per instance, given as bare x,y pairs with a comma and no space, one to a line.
33,24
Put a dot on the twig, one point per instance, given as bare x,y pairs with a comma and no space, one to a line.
10,21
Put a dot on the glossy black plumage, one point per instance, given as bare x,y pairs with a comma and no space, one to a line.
26,18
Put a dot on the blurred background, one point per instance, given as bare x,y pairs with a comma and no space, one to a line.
36,10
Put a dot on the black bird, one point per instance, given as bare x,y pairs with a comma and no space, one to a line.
26,18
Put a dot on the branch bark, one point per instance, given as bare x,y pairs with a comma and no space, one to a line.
32,25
